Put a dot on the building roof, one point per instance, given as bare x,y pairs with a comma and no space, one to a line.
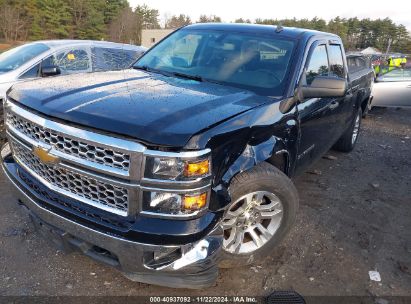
371,51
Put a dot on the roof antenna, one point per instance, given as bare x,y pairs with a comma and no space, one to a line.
279,27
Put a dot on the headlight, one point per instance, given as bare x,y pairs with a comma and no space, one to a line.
176,184
174,203
167,167
177,168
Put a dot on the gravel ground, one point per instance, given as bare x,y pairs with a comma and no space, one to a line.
355,216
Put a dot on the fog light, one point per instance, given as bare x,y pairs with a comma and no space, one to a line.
195,202
197,168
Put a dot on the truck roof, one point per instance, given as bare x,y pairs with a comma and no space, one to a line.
290,32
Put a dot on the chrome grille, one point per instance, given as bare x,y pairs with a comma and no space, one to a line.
91,190
42,191
70,145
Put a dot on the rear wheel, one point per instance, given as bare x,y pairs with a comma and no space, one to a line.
366,108
264,206
348,140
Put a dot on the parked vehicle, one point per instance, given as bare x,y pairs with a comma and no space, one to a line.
357,65
183,163
53,57
393,89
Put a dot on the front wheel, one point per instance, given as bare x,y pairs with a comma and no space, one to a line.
263,209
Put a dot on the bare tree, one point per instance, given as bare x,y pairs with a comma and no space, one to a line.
79,12
122,28
12,23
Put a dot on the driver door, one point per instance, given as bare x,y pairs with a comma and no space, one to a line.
320,118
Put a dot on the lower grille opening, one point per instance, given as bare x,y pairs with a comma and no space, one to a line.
103,255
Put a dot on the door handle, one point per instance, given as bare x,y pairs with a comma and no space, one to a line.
334,105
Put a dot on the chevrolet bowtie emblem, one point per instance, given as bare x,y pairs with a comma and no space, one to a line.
45,156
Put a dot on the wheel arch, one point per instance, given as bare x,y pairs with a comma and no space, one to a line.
272,151
281,160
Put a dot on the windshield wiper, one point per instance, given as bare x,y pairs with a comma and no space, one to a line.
143,67
148,69
187,76
169,74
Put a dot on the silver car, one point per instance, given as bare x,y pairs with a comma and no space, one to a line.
393,89
54,57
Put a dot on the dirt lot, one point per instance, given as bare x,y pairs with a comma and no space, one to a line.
355,216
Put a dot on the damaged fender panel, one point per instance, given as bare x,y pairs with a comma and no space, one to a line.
244,141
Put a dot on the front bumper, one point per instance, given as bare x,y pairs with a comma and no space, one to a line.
192,265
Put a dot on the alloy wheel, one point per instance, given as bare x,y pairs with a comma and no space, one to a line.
356,129
251,221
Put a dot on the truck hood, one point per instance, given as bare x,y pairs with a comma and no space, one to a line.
152,108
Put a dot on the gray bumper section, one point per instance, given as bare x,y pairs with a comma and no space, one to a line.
195,267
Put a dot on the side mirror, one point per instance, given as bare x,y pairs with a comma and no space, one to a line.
50,71
325,86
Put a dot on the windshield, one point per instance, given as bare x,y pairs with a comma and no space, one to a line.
18,56
249,61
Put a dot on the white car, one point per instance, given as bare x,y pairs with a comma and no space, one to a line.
393,89
54,57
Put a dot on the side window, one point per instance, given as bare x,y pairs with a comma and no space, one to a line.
318,65
352,63
396,73
129,57
32,73
70,61
106,59
336,61
361,62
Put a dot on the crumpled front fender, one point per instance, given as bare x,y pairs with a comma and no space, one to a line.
244,141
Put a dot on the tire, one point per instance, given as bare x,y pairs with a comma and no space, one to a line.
268,182
347,141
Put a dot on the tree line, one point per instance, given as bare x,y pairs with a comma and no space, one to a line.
357,34
115,20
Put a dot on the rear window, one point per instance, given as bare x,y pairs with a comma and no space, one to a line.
357,63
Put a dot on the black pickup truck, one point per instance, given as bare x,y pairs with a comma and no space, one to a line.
183,163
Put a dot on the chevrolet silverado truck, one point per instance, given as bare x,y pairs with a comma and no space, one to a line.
182,163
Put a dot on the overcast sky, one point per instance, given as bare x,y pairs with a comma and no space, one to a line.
398,10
